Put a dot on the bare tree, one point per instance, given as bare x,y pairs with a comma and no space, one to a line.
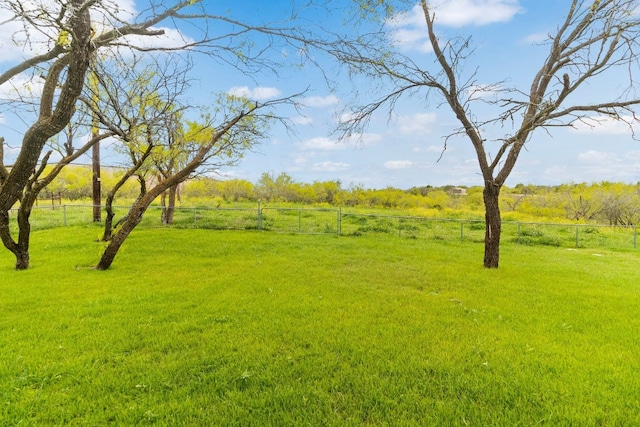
595,37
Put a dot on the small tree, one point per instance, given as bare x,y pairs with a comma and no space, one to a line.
235,127
595,37
138,101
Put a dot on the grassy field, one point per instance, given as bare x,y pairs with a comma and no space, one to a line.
204,327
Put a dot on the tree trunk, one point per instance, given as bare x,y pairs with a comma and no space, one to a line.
109,226
5,233
19,249
493,223
168,202
132,220
24,234
108,221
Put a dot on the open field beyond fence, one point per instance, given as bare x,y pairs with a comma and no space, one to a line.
346,222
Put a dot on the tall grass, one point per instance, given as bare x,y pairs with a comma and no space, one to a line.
202,327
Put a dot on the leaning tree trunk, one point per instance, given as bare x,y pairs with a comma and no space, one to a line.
109,226
132,220
493,225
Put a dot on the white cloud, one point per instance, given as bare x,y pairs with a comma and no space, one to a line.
23,87
412,39
364,140
604,126
458,13
15,44
349,116
121,10
594,157
320,101
258,93
302,120
301,161
399,164
593,165
482,91
322,143
416,124
408,29
330,166
327,144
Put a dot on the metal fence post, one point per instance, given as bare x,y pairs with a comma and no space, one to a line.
635,237
339,221
577,231
64,215
299,220
259,216
461,231
518,233
195,218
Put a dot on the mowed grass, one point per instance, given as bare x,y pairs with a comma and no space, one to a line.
202,327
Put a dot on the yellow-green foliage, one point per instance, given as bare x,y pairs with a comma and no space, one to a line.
75,183
605,202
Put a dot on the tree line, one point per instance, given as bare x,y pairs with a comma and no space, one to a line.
611,203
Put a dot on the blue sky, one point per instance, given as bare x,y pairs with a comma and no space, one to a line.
404,149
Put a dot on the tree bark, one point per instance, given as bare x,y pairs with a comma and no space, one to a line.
108,221
109,226
24,234
168,203
133,219
19,248
57,106
493,224
5,233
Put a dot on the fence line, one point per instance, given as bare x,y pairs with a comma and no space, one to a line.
311,220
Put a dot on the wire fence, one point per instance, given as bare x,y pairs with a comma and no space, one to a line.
310,220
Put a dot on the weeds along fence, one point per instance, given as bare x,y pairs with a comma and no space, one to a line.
340,222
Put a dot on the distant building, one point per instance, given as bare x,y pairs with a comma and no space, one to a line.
458,191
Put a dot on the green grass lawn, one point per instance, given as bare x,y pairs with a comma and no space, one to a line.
203,327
